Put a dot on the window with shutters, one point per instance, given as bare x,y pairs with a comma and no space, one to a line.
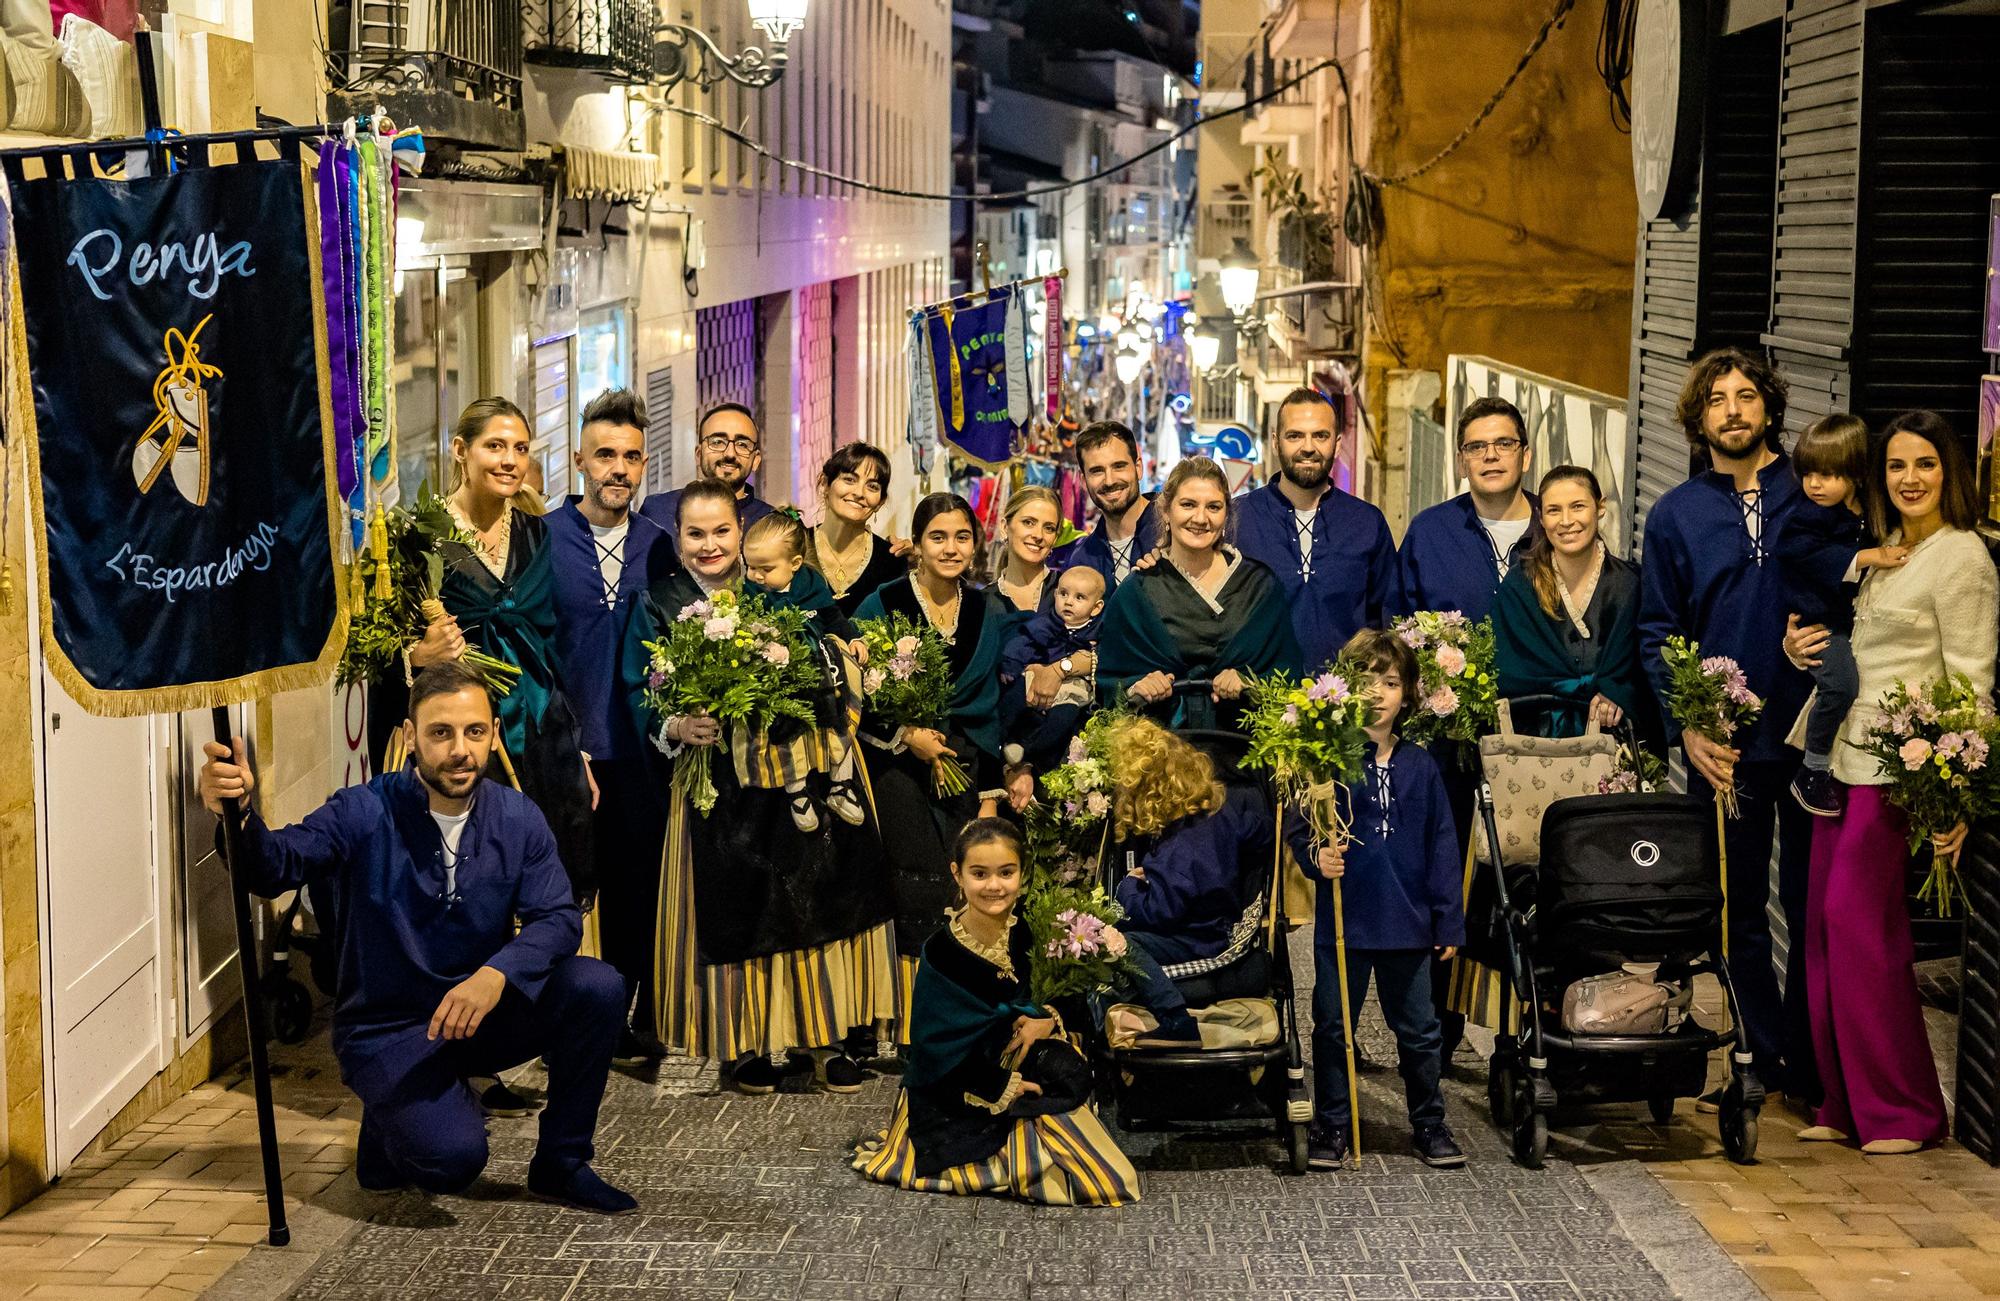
660,430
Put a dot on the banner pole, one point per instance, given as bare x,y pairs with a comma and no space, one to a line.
253,1006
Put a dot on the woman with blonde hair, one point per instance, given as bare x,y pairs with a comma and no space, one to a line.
1029,528
1205,611
1188,840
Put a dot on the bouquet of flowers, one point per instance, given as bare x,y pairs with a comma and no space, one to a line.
1709,696
395,585
1075,946
1933,744
908,683
1066,827
1311,735
1457,699
736,660
1639,769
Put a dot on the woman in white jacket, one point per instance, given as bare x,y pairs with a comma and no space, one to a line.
1938,614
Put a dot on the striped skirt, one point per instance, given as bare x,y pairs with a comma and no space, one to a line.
804,998
1065,1160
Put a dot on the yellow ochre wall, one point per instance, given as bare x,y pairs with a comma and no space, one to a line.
1520,245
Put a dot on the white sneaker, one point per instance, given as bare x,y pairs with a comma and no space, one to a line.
846,804
803,816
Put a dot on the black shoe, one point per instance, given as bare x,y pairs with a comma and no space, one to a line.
1326,1147
580,1188
503,1101
839,1074
638,1048
372,1168
1819,793
757,1075
1435,1146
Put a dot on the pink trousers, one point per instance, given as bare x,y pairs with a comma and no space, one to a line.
1867,1022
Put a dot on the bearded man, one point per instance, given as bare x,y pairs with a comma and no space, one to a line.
457,935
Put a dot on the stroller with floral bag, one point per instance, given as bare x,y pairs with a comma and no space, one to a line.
1567,884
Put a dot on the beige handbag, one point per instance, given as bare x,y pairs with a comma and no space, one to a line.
1617,1002
1527,774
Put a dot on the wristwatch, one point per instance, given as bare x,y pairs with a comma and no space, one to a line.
1068,666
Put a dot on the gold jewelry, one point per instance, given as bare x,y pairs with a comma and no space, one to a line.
947,627
840,576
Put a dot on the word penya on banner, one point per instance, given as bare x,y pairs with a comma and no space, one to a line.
204,261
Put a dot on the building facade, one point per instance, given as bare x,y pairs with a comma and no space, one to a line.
571,233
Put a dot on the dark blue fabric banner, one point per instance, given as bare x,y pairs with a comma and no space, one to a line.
969,368
180,466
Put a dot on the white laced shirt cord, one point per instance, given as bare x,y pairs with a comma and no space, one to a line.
451,828
610,542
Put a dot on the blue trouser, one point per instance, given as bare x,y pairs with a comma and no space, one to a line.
1776,1024
1043,734
1836,681
1403,985
1150,953
418,1111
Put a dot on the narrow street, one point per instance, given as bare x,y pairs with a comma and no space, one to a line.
752,1198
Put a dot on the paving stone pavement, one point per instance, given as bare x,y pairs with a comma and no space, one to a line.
753,1198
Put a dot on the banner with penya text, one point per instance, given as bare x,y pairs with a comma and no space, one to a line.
171,332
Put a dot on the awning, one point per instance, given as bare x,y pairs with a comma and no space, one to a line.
607,174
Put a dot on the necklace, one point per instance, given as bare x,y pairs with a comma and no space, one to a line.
492,546
996,953
843,568
942,618
1032,590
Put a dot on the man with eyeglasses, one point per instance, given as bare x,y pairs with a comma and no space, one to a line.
1330,550
729,447
1456,552
1453,557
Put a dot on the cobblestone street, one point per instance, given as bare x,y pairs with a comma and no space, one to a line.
752,1198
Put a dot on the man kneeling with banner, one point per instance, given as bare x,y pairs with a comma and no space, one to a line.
425,874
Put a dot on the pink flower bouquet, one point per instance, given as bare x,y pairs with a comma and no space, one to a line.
1935,746
1457,699
1075,946
1709,696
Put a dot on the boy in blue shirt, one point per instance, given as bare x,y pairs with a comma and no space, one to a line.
1399,873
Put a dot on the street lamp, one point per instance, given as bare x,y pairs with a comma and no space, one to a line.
1238,273
684,53
1205,345
1128,363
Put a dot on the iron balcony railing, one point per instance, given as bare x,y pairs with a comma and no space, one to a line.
610,36
470,48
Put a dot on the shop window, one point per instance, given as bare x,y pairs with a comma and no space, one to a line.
603,351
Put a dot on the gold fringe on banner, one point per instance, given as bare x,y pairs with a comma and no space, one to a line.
193,695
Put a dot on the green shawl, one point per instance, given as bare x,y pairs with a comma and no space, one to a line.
975,659
514,620
1134,641
1531,653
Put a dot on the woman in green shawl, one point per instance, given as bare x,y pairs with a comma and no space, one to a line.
774,942
1202,611
499,595
919,825
1565,621
994,1100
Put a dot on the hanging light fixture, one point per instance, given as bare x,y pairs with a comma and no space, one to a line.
1128,363
1205,345
1239,273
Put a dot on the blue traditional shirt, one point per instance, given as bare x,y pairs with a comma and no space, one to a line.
1339,575
664,509
1045,639
1403,885
1448,561
590,625
407,930
1094,548
1192,887
1709,575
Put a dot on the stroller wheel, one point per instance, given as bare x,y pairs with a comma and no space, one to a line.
1662,1109
1531,1135
1296,1146
1738,1124
290,1010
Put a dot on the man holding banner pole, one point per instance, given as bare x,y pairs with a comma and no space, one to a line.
428,872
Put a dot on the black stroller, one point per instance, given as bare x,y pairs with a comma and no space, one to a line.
1259,1084
1627,878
